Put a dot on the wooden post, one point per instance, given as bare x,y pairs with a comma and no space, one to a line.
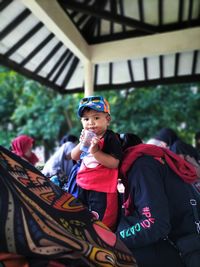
89,85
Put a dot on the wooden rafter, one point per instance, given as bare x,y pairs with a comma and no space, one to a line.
93,11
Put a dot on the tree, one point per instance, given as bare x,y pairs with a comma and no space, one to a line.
146,110
30,108
11,87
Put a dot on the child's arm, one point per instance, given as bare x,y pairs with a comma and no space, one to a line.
106,159
76,152
103,158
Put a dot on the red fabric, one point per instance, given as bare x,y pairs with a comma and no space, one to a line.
181,167
12,260
99,178
20,146
111,212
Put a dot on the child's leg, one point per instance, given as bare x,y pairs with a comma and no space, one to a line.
83,196
105,206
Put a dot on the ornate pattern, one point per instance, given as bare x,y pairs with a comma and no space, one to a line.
38,219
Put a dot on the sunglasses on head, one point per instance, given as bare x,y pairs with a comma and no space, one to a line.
94,99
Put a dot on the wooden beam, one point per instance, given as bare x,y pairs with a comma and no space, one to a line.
153,82
151,45
56,20
29,74
4,4
103,14
24,39
14,23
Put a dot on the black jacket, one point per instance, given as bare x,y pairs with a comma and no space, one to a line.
162,205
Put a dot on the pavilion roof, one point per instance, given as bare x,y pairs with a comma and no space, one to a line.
128,43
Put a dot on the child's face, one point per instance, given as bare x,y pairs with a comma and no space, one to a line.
95,121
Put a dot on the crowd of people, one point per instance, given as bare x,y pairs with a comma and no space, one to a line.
156,213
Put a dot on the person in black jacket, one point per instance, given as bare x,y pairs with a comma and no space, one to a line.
157,209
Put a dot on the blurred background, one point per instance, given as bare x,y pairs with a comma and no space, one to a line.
27,107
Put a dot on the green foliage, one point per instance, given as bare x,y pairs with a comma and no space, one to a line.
27,107
146,110
30,108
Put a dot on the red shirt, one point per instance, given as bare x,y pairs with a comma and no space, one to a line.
94,176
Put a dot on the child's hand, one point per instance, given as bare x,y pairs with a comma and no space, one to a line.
94,147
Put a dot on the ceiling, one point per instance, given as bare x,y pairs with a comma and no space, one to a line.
76,45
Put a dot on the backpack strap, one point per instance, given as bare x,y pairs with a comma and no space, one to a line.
193,203
194,191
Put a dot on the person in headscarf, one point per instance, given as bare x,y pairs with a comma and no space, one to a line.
164,138
158,215
22,147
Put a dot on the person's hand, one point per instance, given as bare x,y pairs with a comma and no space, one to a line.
94,147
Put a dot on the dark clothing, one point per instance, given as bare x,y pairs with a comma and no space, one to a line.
161,209
181,148
112,144
72,186
159,254
182,168
102,205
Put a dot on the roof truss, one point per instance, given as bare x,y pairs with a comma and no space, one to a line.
76,45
